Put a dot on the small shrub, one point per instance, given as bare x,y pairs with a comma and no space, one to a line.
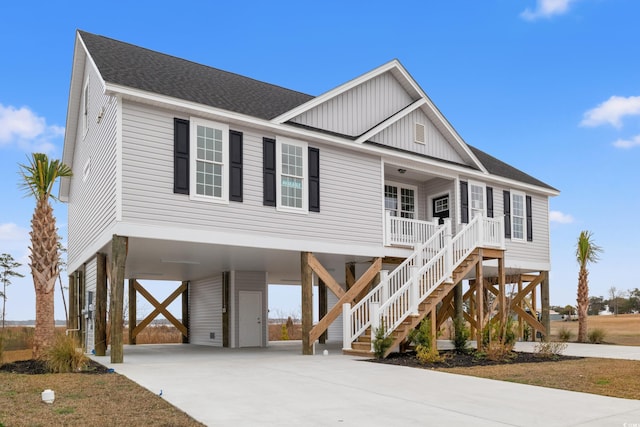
284,333
565,334
381,342
499,338
550,350
461,335
65,355
428,355
596,336
421,336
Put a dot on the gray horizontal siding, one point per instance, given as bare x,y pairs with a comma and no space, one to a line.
92,202
359,109
205,311
402,135
434,188
334,333
349,188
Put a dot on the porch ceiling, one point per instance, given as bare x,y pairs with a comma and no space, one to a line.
154,259
395,173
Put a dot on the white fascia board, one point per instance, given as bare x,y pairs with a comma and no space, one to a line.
249,240
277,129
335,92
391,120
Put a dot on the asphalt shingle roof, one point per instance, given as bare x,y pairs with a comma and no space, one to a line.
139,68
136,67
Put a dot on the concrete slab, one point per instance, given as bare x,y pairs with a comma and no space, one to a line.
279,387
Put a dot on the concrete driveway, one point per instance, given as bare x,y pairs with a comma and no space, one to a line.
279,387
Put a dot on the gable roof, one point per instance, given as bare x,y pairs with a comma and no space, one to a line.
500,168
136,67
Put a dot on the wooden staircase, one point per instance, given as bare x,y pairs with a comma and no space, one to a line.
362,346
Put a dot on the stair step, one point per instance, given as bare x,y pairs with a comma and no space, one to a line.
360,353
361,346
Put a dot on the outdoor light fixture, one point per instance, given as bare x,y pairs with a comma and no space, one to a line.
402,171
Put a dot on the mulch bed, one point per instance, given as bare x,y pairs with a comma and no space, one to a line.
453,359
37,367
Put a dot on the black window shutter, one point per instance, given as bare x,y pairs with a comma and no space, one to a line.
464,203
180,156
489,202
235,169
269,171
314,179
507,214
529,220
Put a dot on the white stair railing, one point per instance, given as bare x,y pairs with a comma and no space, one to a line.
406,231
428,266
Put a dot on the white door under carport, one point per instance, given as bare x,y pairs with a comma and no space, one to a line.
250,318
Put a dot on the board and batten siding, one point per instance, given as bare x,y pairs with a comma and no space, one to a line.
350,185
360,108
250,281
401,134
91,280
92,193
205,311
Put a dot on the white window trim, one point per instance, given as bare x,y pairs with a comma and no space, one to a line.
305,176
524,215
193,170
484,198
85,108
416,203
430,204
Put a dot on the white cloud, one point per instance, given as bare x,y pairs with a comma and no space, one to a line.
612,111
546,9
14,240
560,217
27,130
627,143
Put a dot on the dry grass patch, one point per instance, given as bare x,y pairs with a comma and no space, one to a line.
607,377
623,329
83,399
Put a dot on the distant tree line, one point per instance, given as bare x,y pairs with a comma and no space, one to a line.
619,302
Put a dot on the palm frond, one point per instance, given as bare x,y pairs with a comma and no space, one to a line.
586,249
40,174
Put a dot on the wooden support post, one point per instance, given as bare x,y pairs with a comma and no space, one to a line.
434,327
225,309
307,303
185,311
534,310
519,304
118,260
473,288
73,302
504,310
458,303
479,301
82,323
349,274
101,305
544,302
133,308
322,307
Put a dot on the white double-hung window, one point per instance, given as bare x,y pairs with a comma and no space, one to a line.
477,203
209,160
292,175
517,215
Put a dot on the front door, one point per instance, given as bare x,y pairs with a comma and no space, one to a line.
250,318
441,208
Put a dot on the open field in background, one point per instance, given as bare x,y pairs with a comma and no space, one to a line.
623,329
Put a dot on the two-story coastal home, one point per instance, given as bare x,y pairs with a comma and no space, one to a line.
188,173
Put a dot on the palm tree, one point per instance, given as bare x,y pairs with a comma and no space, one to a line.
38,178
586,252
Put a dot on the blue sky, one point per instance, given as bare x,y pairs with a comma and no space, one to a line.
549,86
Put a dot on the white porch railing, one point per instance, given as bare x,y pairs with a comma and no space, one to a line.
407,232
433,262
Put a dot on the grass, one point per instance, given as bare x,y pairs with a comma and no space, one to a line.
83,399
607,377
623,329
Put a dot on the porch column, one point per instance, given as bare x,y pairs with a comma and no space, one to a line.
101,305
118,260
544,301
307,303
504,312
